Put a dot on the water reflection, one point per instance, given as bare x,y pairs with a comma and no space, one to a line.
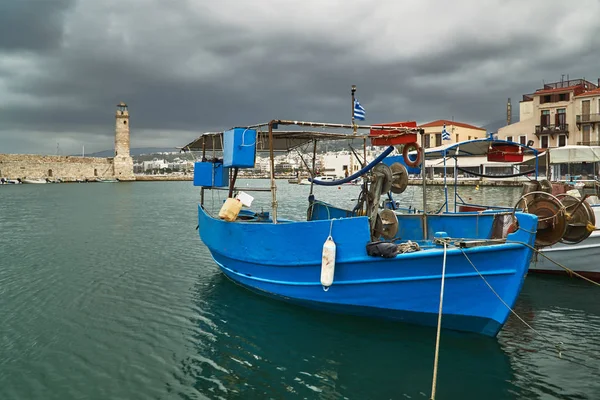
248,346
563,311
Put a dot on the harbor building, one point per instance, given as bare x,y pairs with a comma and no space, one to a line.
459,132
558,114
71,168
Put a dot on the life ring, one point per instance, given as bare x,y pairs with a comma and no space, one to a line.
408,147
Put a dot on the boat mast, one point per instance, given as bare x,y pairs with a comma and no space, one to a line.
273,186
352,91
423,174
314,167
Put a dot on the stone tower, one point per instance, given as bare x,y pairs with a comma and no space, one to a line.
123,163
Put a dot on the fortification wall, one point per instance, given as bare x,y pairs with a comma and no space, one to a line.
15,166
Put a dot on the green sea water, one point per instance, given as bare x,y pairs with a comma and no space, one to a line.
107,292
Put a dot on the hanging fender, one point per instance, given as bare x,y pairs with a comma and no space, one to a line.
407,148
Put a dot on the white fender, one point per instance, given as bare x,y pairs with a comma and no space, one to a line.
328,262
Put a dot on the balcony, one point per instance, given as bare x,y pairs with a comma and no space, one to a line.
551,129
587,118
588,143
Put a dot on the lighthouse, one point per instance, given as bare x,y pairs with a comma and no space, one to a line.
122,162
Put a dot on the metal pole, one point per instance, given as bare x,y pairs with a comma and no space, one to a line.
353,90
445,184
365,150
273,185
455,181
548,171
232,183
314,166
423,173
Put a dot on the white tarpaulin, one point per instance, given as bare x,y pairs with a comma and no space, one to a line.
574,154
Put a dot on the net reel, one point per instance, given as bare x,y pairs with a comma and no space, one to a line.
581,220
399,178
551,213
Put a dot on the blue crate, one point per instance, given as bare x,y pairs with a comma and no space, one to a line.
209,174
239,148
203,174
220,175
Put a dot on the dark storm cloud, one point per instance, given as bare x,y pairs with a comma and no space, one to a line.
32,24
193,66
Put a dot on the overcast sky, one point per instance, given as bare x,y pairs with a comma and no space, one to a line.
189,66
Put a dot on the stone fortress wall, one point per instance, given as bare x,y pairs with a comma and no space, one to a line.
30,166
71,168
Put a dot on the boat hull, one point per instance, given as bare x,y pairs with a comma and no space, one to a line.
284,261
34,181
581,258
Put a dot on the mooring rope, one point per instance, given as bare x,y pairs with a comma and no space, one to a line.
439,327
556,345
568,270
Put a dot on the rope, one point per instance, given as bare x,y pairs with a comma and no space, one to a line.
569,270
495,176
408,247
439,328
556,345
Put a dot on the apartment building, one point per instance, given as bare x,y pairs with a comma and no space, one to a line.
557,115
459,132
587,118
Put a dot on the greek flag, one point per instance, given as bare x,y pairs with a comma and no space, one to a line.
445,134
359,111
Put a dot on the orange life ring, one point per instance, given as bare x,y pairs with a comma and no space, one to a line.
408,147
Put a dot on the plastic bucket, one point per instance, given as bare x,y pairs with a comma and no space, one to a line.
230,210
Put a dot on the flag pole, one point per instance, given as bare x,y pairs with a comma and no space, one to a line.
353,124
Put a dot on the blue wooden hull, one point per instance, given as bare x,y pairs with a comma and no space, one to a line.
284,261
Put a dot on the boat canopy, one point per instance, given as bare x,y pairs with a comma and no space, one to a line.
476,147
286,140
574,154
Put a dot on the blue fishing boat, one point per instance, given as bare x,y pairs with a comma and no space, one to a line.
366,261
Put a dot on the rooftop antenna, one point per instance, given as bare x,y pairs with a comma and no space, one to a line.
57,150
508,112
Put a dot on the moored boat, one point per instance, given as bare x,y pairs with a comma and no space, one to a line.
572,240
34,181
362,261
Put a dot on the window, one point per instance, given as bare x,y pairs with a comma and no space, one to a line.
469,137
509,138
585,110
50,173
427,139
585,135
457,138
545,120
544,141
561,140
438,139
523,139
561,117
546,99
95,172
563,97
